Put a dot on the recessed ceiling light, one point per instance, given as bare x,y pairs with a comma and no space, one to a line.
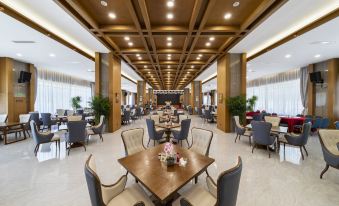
169,16
170,4
130,43
200,55
198,58
236,4
103,3
208,43
169,43
169,55
168,66
288,56
325,42
168,72
138,55
149,72
188,72
169,38
52,55
212,38
112,15
169,58
145,66
317,55
192,66
139,58
19,54
227,16
126,38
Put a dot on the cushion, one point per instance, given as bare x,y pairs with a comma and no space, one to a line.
330,139
130,196
197,195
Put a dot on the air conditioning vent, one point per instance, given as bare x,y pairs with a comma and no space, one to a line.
24,42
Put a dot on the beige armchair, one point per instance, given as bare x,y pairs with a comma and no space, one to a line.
113,195
201,140
133,140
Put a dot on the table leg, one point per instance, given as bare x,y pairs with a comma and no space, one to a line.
5,135
24,130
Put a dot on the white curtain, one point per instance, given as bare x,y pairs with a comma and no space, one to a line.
55,91
279,94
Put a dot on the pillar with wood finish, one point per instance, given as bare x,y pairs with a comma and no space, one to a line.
141,93
196,95
108,84
231,82
186,96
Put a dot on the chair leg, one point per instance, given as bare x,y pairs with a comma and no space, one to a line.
250,140
301,151
325,170
305,150
195,180
188,145
236,137
148,142
102,139
181,142
253,147
154,143
84,146
36,149
268,150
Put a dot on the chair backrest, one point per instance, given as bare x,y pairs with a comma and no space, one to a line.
208,114
155,118
306,132
325,123
35,131
60,112
336,124
24,118
133,140
182,117
127,115
307,120
69,112
150,128
93,182
160,113
46,119
329,139
3,118
237,122
317,123
309,116
35,117
275,121
74,118
261,132
201,140
185,128
228,185
77,131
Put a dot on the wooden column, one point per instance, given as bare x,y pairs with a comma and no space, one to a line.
186,96
6,87
150,95
333,91
310,93
213,92
196,95
108,84
32,86
231,81
141,95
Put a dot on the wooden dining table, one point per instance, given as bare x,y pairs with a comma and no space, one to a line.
168,127
161,180
6,127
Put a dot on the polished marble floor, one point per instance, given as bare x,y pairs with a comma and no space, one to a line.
56,179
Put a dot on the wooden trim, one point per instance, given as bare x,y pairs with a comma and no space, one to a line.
204,82
23,19
129,79
243,73
328,17
310,93
32,86
331,90
97,73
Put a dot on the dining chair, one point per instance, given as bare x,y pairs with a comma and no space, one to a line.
208,116
133,140
69,112
126,118
275,121
316,125
160,113
134,115
325,123
3,118
336,124
329,141
240,130
42,137
60,112
261,133
24,118
76,134
201,140
202,113
182,134
153,133
97,129
36,118
299,127
309,116
298,140
47,121
114,194
74,118
190,110
222,193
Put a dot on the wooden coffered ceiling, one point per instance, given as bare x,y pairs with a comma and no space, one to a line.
169,53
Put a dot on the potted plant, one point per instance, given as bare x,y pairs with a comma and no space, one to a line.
237,107
251,103
101,106
76,103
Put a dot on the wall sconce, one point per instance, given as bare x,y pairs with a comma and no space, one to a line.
117,97
220,98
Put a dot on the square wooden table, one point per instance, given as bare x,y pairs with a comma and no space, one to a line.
168,128
162,181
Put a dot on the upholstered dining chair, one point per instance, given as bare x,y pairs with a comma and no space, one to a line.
114,194
133,140
261,133
298,140
155,118
325,123
3,118
182,117
275,121
182,134
74,118
240,130
47,122
42,137
329,141
76,134
60,112
222,193
336,124
36,118
316,125
126,118
208,116
153,133
97,129
24,118
201,140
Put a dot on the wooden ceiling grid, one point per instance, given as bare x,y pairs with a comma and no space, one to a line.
194,22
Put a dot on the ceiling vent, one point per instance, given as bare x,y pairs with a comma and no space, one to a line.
24,42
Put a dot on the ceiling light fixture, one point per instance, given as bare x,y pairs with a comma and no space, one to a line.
112,15
126,38
169,58
236,4
138,55
208,43
198,58
200,55
130,43
52,55
169,38
317,55
169,43
149,72
227,16
168,66
103,3
192,66
288,56
169,16
145,66
169,55
212,38
170,4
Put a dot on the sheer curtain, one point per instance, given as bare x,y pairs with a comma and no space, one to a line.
55,91
279,94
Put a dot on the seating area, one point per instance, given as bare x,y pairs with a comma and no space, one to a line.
169,103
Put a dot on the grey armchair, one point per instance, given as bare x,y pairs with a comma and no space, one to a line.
76,134
126,118
182,134
329,140
240,130
115,194
155,135
97,129
261,132
133,140
298,140
222,193
35,117
43,137
47,121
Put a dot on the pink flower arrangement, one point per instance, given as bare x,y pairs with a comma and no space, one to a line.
168,148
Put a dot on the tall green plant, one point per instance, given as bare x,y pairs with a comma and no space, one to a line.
251,103
237,106
76,102
101,106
